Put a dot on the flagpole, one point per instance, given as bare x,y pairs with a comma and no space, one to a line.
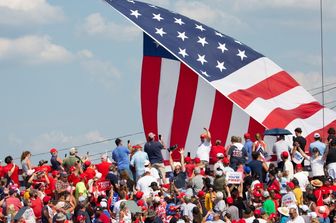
322,65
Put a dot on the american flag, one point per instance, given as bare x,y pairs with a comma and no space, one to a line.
194,76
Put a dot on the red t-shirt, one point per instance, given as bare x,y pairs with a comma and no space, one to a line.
37,205
74,179
189,169
104,218
103,168
90,173
319,197
214,151
15,175
44,168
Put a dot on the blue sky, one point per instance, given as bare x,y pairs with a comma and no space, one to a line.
70,70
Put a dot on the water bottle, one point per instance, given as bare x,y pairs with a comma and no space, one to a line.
9,218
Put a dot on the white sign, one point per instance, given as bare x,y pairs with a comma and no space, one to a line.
234,177
288,200
297,157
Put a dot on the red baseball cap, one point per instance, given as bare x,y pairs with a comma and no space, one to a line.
290,184
247,135
139,194
258,186
299,166
187,159
200,193
271,188
46,199
181,195
229,200
277,196
285,154
87,163
197,160
202,136
256,194
72,168
53,150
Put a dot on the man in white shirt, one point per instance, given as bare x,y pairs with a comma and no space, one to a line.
203,150
219,163
144,182
187,208
293,216
116,207
288,170
280,146
302,177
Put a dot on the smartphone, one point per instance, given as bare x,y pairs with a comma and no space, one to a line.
159,137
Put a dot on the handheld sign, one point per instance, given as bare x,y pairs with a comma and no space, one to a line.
234,177
104,185
297,157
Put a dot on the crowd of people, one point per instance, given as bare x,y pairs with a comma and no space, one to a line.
233,183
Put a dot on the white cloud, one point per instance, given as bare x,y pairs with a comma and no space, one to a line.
85,54
59,139
104,72
96,25
312,81
28,12
33,50
206,13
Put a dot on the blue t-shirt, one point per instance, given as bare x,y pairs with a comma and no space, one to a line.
248,148
121,156
153,149
138,161
319,145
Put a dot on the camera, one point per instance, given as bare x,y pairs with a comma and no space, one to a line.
172,148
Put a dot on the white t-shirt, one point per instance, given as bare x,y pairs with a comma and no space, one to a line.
219,164
116,209
298,219
281,146
250,219
302,177
288,166
187,210
203,151
144,183
317,166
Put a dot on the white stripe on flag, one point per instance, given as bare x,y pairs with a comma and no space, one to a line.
201,116
239,123
170,72
313,123
247,76
261,108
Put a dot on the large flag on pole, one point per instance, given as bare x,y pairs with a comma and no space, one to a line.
194,76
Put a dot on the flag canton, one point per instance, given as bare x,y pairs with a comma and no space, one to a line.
208,52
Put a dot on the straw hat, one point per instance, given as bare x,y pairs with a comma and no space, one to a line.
316,183
284,211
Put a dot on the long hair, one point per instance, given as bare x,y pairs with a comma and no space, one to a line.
24,155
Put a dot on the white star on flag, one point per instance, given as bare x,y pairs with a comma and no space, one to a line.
200,27
222,47
202,59
205,73
179,21
182,35
135,13
183,52
202,41
157,17
220,66
218,34
160,32
241,54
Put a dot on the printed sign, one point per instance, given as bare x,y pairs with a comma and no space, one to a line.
104,185
288,200
234,177
297,157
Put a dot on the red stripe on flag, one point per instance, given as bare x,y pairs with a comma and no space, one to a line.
183,110
254,128
221,117
280,118
266,89
323,133
150,83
